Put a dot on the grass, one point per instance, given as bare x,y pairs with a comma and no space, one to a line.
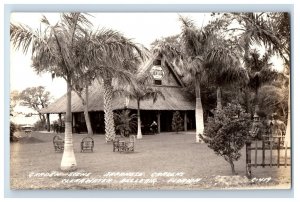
154,154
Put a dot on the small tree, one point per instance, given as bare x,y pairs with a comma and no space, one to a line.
177,122
125,122
227,131
35,98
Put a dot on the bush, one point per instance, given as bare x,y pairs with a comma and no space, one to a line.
226,133
177,122
125,122
13,129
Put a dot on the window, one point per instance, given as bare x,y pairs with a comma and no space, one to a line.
157,82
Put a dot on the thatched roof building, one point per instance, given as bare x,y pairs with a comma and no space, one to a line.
166,80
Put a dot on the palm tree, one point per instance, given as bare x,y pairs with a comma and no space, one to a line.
81,88
273,30
195,43
259,72
53,50
113,52
125,122
140,90
223,67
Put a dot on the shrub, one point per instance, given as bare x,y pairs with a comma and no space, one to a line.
125,122
177,122
13,129
226,133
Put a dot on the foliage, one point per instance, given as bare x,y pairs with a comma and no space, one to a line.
39,126
177,122
125,122
14,98
227,131
35,98
272,99
13,129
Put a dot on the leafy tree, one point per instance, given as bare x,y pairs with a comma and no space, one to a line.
227,131
14,98
273,99
35,98
177,122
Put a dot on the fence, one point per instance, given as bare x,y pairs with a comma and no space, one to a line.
266,146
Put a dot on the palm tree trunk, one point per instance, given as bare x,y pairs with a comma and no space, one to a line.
232,167
68,162
256,109
288,132
247,100
139,130
219,98
86,112
108,112
199,110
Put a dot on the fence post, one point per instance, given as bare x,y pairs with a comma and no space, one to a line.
278,151
263,153
248,159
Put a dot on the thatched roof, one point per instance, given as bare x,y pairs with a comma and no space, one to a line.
175,99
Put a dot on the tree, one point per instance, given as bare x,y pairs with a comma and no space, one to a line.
273,99
114,53
177,122
14,98
227,132
140,90
54,51
223,67
82,90
195,42
201,53
35,98
125,122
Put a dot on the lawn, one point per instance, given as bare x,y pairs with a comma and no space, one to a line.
163,161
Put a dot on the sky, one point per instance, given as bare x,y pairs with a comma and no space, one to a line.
142,28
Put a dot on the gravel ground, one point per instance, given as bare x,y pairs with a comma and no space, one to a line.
163,161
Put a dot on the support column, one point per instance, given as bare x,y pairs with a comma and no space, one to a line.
59,118
48,122
73,123
185,121
158,121
60,122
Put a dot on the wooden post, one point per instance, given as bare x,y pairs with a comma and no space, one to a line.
263,153
158,121
48,122
271,151
185,121
248,159
60,122
285,156
255,153
278,152
73,123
